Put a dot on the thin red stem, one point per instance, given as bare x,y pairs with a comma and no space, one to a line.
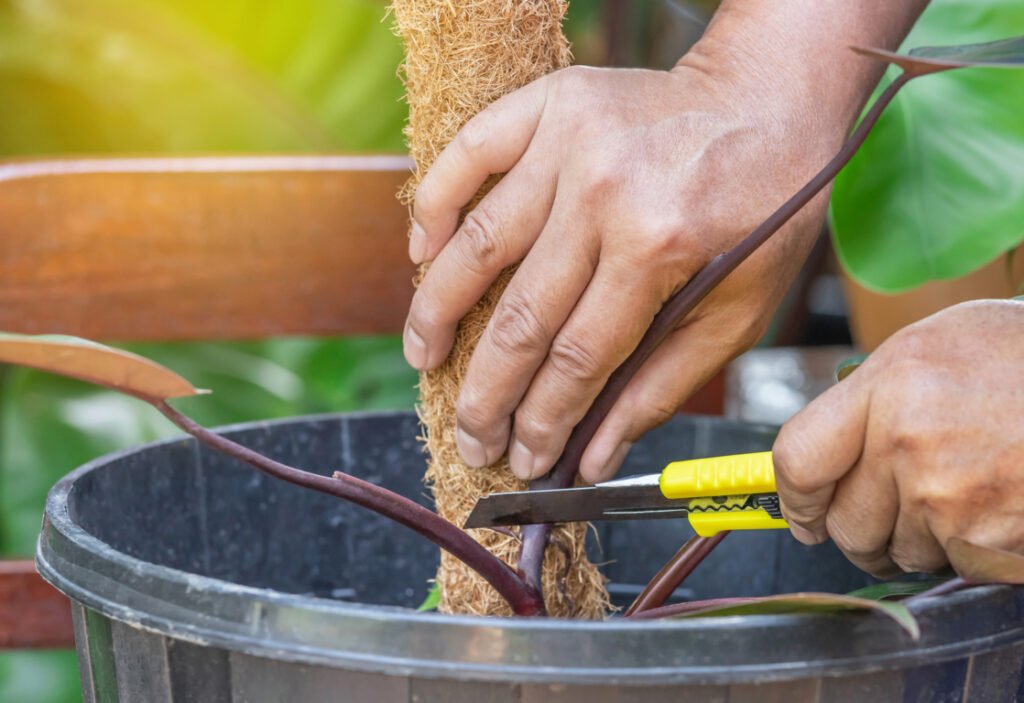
667,580
944,588
563,475
523,599
696,606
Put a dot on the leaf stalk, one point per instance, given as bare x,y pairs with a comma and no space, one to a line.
523,599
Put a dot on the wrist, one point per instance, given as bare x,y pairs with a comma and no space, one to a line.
793,59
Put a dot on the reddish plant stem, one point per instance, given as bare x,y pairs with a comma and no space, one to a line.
950,586
523,599
944,588
696,606
563,475
667,580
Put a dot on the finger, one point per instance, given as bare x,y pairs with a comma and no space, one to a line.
491,142
914,547
496,233
602,330
816,448
533,307
863,515
677,369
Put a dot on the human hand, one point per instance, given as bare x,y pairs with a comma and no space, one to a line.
621,185
923,442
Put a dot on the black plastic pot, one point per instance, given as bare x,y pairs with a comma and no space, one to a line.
196,579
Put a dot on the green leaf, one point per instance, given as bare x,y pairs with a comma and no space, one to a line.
849,365
1005,53
432,600
895,589
94,363
922,60
813,603
937,190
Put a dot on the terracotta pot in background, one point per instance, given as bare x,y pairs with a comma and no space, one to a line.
874,316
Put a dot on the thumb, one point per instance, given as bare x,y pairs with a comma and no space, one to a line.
815,449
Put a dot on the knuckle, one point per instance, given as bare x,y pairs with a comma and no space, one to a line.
472,411
424,315
912,560
788,455
911,347
668,238
480,243
659,413
516,328
572,358
603,181
846,538
911,437
530,429
935,493
425,198
905,441
475,135
571,78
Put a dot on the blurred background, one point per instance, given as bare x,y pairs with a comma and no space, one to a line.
237,76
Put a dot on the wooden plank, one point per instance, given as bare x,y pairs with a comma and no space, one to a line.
204,247
33,614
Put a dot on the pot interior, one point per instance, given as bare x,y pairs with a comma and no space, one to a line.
181,506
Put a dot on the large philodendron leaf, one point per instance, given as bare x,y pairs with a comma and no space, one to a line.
937,190
95,363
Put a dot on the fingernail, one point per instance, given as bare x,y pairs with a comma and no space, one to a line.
415,349
471,449
803,534
417,243
520,460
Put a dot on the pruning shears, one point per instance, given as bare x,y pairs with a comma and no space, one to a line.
717,494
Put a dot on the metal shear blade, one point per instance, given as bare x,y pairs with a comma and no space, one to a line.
625,499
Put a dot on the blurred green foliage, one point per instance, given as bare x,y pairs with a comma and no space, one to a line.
196,76
937,190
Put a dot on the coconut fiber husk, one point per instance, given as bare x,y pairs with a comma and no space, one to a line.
461,55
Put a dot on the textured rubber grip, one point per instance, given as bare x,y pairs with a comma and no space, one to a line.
719,476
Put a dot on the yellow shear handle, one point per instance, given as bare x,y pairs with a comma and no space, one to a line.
710,524
737,475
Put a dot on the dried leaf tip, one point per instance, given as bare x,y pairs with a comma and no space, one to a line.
95,363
